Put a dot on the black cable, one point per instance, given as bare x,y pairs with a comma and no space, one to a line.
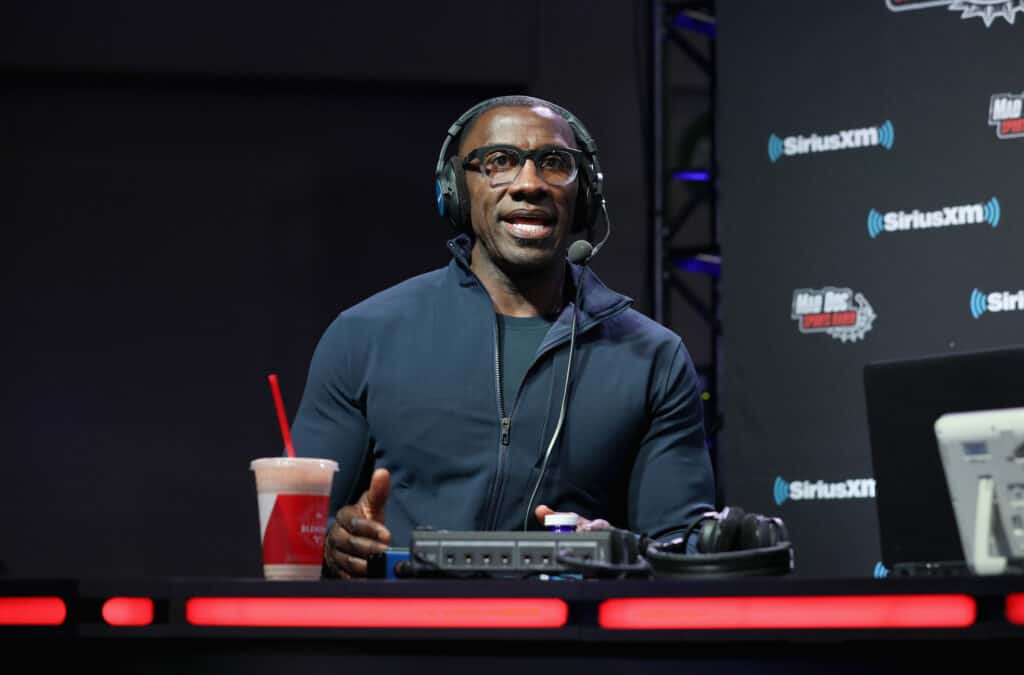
565,396
601,569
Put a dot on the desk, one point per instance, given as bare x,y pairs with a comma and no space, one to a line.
764,625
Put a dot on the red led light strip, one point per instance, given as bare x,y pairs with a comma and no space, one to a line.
868,611
1015,608
379,612
128,611
37,611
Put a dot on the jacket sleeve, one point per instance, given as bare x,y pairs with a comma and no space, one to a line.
672,482
331,420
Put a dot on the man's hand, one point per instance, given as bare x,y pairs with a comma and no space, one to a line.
358,530
583,525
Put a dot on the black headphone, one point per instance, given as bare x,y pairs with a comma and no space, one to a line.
450,178
729,543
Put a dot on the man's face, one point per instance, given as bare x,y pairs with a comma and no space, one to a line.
523,225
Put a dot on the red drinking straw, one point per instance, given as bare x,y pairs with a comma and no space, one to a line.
279,404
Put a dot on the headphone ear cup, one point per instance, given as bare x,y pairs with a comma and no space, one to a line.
452,194
763,532
444,192
729,529
584,216
722,533
707,536
588,200
754,533
778,529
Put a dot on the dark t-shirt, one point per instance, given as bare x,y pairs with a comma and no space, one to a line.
518,338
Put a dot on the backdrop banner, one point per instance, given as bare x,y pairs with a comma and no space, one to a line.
871,208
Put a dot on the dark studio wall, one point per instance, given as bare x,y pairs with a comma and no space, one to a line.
189,193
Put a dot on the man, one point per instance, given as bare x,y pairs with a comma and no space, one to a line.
441,397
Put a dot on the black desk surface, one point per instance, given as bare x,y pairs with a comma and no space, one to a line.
718,625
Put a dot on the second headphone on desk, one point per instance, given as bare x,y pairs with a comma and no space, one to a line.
729,543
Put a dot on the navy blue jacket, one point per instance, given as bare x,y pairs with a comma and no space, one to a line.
406,380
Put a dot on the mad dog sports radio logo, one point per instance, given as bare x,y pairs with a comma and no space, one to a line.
838,312
1006,114
883,135
946,216
805,490
986,10
997,301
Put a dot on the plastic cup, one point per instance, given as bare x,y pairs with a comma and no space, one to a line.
293,494
560,523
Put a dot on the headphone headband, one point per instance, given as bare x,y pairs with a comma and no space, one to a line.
729,543
583,136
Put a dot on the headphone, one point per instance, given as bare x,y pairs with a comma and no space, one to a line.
450,178
729,543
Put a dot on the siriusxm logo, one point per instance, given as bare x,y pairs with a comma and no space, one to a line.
882,135
880,571
999,301
902,221
797,490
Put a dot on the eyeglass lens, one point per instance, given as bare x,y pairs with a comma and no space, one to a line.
556,167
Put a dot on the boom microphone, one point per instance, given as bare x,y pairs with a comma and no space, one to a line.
582,251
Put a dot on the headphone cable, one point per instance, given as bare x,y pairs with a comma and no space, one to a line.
565,397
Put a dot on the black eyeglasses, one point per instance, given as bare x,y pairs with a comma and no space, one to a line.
501,164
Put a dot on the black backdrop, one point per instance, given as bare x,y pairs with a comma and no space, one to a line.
791,222
196,243
190,193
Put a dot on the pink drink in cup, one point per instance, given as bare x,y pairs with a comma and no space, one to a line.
293,495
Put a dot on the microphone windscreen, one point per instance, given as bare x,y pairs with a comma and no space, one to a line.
580,252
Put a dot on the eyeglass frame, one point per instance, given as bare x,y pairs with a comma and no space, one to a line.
477,154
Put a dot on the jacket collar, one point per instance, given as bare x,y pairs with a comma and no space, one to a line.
597,300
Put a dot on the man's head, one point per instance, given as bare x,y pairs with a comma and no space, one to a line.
520,212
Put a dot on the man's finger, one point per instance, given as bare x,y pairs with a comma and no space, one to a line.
336,534
362,547
370,529
335,566
590,525
348,525
335,543
345,516
347,564
541,511
377,494
353,518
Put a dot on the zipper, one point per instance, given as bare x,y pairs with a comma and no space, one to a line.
505,419
503,440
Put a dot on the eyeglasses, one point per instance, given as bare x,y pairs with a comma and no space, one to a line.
501,164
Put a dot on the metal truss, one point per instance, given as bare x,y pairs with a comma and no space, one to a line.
679,27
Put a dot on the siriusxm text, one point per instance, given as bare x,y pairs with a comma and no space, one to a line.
850,138
896,221
854,488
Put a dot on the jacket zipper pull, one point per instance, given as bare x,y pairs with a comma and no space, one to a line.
506,427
